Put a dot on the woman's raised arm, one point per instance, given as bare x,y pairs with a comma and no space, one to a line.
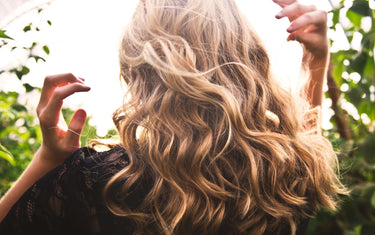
309,27
58,141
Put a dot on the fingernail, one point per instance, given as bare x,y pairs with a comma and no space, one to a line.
280,15
81,80
290,29
81,114
86,88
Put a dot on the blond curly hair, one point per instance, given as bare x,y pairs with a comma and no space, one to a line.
220,143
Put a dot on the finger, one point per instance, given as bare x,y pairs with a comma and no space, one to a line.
307,40
53,81
75,128
303,37
284,3
50,114
317,18
313,42
295,10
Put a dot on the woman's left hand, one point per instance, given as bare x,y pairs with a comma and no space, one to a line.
308,26
58,142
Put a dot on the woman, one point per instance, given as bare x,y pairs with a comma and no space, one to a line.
210,143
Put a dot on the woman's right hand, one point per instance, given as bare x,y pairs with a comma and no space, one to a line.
308,26
59,141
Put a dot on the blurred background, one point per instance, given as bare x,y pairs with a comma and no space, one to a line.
43,37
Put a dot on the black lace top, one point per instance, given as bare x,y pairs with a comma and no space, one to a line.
68,200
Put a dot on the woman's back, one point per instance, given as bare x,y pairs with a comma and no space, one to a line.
210,143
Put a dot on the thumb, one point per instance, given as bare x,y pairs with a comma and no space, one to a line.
75,128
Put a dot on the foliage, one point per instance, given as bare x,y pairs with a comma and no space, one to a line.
32,50
20,134
352,91
20,137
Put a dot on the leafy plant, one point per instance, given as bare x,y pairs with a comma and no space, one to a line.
20,134
351,87
20,137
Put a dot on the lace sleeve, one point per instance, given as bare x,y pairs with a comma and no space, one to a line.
68,198
312,121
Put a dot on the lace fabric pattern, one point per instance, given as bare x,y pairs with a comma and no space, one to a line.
69,198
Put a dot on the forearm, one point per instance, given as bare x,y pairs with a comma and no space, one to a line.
317,70
37,168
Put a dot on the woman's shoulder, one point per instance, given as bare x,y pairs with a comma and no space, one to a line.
69,197
90,156
98,165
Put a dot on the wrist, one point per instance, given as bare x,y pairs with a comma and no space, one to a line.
315,66
318,61
317,58
48,156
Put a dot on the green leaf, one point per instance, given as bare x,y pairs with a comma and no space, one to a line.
368,40
368,71
3,35
367,107
19,107
358,229
6,155
361,7
355,18
20,72
25,70
3,43
37,58
336,17
349,36
49,22
46,49
27,28
355,96
28,87
359,62
33,45
337,72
